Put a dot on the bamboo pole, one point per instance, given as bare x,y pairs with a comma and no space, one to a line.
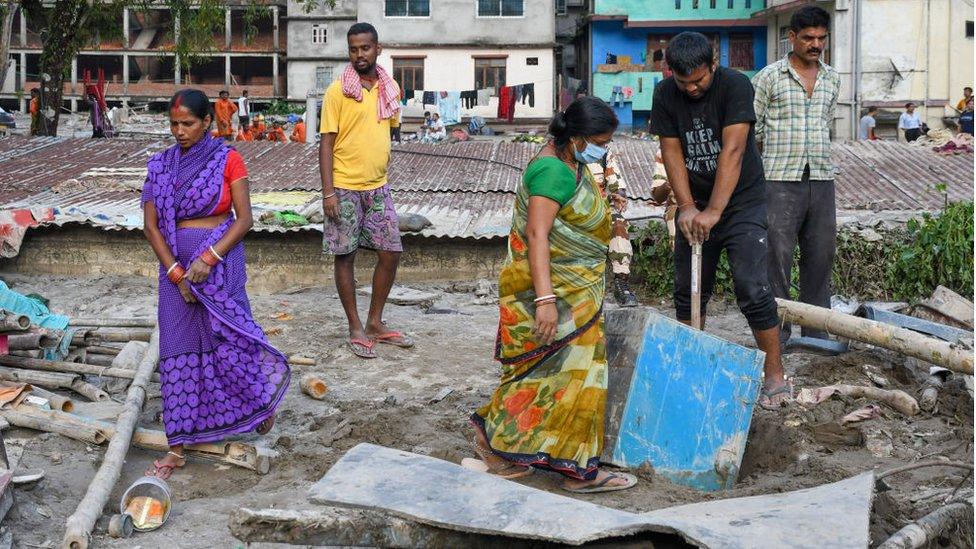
122,335
925,530
55,380
73,367
102,350
52,421
79,525
102,361
89,391
57,402
114,322
30,341
13,322
890,337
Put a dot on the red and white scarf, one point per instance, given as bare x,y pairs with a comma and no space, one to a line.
389,100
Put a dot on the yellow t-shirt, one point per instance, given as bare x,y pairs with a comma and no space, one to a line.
961,105
362,147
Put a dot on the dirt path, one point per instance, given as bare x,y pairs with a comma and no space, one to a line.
387,401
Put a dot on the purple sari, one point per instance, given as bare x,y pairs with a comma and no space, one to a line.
220,376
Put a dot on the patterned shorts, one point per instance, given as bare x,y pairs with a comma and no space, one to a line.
367,219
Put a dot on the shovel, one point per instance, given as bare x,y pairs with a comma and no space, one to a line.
696,267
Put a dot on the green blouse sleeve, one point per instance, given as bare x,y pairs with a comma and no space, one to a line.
551,178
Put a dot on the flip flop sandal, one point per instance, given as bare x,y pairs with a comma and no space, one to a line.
163,471
509,471
265,426
363,348
602,486
394,338
768,395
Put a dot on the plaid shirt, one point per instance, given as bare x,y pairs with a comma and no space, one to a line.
794,129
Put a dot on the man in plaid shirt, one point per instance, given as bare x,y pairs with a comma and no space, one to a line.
794,103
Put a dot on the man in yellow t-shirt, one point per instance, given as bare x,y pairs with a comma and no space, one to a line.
967,92
360,112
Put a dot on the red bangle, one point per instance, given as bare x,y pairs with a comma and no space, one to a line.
176,275
208,257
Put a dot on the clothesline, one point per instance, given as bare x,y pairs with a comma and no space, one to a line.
449,103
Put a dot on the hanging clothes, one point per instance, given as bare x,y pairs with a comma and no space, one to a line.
528,93
469,99
430,98
506,103
449,107
517,90
484,96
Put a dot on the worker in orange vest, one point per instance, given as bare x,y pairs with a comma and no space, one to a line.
224,110
277,134
298,133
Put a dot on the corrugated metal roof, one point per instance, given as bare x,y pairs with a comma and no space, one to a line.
465,189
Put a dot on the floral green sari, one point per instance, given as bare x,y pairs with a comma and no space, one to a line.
548,410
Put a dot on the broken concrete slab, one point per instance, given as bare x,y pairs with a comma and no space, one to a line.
441,494
401,295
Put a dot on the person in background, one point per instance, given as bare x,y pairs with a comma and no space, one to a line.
298,132
910,123
435,130
34,108
704,117
549,409
257,130
867,124
965,123
260,127
796,98
610,178
245,134
220,376
277,133
967,93
224,110
359,113
243,110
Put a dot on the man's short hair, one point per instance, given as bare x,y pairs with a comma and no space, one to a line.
909,104
363,28
968,88
809,16
222,92
872,109
688,51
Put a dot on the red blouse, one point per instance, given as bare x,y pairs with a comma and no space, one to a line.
234,171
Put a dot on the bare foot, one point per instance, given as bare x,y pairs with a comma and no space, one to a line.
491,459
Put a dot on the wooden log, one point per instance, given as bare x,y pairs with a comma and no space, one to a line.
73,367
102,350
89,391
58,402
890,337
85,338
52,421
122,335
927,529
114,322
102,361
13,322
79,525
335,526
899,400
54,380
30,341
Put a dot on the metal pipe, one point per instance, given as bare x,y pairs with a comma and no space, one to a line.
856,70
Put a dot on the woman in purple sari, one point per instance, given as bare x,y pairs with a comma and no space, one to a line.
220,376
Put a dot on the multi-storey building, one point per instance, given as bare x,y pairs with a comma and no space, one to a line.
317,51
628,39
142,66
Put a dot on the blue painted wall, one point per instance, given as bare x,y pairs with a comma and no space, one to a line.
685,10
613,37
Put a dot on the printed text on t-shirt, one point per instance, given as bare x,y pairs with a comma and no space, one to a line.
701,148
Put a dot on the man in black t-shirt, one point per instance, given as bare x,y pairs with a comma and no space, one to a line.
704,117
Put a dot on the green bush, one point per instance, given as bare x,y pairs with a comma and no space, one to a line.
906,264
283,108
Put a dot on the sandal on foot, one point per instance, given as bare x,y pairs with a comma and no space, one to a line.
603,485
507,471
786,387
163,471
363,348
265,426
395,338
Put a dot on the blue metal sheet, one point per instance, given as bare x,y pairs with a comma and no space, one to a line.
689,405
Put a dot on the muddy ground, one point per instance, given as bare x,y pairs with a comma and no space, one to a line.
388,401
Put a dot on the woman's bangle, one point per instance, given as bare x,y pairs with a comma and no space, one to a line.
329,196
545,297
171,267
208,258
549,301
176,275
215,254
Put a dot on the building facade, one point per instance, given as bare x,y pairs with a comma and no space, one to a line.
141,66
628,40
466,46
317,49
890,52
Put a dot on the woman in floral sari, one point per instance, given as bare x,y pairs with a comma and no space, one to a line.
548,411
220,376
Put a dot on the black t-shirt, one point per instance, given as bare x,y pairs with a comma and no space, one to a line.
698,123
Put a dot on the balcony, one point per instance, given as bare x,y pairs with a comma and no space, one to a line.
679,10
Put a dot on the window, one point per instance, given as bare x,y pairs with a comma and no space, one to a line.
319,34
560,7
500,8
323,77
740,52
407,8
969,29
532,61
409,73
489,73
784,41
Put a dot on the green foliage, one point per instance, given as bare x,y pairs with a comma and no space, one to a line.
283,108
937,250
905,264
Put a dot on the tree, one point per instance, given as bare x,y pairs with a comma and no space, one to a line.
69,25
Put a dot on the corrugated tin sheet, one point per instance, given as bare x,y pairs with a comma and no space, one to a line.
465,189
